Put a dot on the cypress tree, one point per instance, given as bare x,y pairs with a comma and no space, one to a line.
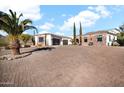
80,32
74,34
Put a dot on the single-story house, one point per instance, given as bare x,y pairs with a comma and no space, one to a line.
48,39
98,38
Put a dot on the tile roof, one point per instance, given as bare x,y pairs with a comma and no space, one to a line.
99,32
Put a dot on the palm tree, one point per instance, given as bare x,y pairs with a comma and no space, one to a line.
74,34
80,32
11,24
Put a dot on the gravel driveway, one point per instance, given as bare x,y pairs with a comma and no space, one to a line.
67,66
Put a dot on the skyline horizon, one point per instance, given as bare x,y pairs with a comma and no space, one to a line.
48,18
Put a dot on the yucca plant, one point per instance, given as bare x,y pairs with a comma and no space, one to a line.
14,27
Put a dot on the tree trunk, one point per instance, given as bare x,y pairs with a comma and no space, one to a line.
80,32
33,40
16,51
15,47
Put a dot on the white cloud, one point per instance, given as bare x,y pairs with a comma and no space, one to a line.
47,26
29,11
101,10
87,17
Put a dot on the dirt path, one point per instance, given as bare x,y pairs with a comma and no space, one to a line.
66,66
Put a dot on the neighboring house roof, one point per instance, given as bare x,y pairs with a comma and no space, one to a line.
99,32
54,35
114,31
89,33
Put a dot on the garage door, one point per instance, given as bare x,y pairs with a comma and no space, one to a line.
55,41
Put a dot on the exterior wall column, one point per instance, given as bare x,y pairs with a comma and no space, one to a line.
61,42
36,40
49,40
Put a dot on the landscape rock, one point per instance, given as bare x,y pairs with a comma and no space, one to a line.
11,57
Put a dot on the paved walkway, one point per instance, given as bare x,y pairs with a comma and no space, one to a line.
66,66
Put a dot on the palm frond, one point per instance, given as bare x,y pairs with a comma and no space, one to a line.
29,27
4,26
6,18
2,13
5,29
19,18
12,14
26,21
13,18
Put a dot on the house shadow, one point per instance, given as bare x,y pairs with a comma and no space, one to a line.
39,49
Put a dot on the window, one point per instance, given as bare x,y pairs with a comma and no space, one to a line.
55,41
65,42
85,40
109,38
41,39
99,38
114,38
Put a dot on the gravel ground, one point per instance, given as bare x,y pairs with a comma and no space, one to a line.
68,66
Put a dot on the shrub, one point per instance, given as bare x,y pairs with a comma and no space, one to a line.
120,39
25,38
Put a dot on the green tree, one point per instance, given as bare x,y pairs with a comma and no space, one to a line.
120,38
25,38
120,28
74,34
11,24
80,32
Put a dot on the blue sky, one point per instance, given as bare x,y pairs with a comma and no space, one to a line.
59,19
